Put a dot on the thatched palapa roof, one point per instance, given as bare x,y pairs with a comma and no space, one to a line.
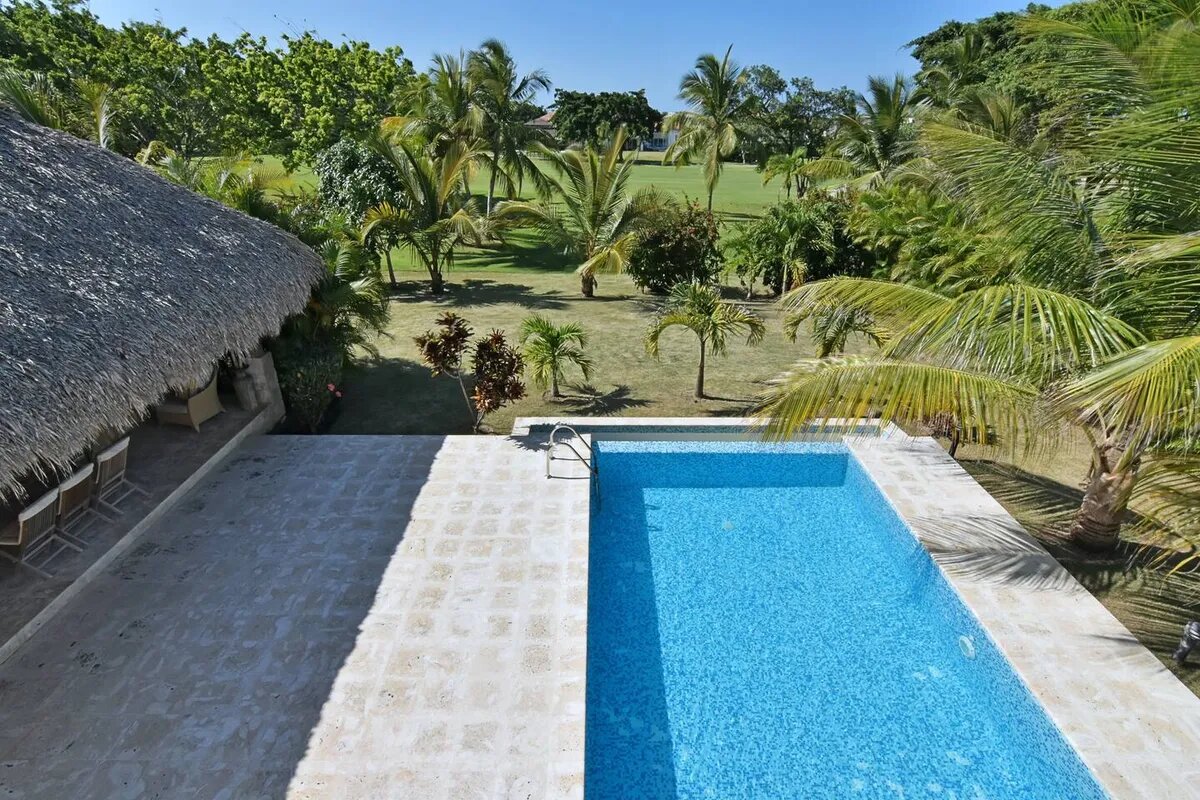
114,285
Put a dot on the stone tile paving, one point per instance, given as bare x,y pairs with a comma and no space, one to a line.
325,617
160,459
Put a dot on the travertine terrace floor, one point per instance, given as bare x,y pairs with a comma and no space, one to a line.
324,617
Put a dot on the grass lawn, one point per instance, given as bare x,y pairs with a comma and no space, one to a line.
739,195
397,395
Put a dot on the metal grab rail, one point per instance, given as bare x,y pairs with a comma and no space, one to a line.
588,461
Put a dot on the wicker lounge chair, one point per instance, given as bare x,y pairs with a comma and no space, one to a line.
35,534
77,505
201,406
112,486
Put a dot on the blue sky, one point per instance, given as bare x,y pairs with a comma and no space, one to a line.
615,45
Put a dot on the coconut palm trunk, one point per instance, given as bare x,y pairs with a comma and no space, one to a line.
1097,524
554,392
387,256
587,285
492,184
700,372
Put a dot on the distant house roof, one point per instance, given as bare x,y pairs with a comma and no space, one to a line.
545,121
115,284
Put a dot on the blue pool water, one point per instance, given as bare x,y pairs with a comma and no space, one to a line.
762,625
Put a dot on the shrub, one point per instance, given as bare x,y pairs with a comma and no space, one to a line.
497,367
310,373
678,245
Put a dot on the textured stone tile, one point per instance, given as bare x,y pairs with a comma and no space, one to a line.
326,617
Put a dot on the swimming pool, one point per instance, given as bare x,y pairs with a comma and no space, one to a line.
762,624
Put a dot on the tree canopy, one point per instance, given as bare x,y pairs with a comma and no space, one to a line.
592,118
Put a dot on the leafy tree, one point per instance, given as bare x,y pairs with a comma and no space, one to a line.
677,245
353,179
596,219
203,97
549,348
592,118
700,309
716,116
990,53
504,98
790,116
436,215
321,92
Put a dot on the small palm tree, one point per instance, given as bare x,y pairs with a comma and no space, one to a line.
700,309
789,167
715,117
879,137
549,348
597,218
347,308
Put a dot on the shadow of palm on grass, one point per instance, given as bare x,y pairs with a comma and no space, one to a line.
593,403
475,292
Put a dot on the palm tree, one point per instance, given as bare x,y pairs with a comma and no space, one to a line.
700,309
879,137
790,168
715,117
441,107
596,219
947,83
549,348
437,215
503,98
87,109
1092,316
347,308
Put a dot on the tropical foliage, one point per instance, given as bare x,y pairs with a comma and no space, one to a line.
549,348
592,216
1081,309
699,308
592,118
716,116
796,241
203,96
678,244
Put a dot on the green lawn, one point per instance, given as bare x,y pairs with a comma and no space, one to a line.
396,394
740,193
